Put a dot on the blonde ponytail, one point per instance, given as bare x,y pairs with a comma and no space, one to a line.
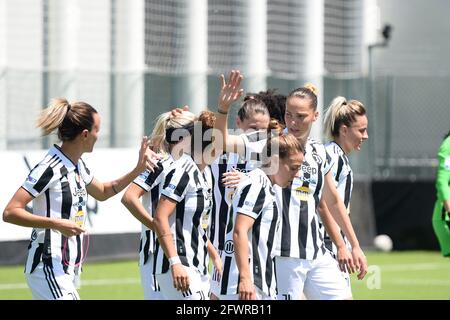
158,136
341,112
53,116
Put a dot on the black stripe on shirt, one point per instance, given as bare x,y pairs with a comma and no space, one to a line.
179,190
348,185
44,179
270,241
257,272
195,224
286,227
66,207
180,241
314,236
259,201
225,275
47,250
339,168
154,175
146,245
37,256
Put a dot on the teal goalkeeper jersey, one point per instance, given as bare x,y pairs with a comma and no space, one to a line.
443,174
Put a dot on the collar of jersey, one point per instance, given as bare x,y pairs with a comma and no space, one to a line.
65,160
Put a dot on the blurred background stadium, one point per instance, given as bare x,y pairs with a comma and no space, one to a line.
134,59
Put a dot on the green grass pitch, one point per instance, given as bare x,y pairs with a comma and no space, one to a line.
394,275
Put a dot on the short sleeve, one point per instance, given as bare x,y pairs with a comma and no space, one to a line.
175,183
148,180
250,200
85,173
328,163
39,179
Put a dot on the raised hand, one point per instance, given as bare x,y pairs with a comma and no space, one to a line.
177,111
147,158
230,92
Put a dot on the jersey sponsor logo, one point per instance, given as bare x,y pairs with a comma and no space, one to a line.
249,203
171,186
311,179
229,247
79,218
243,170
81,203
143,176
31,179
79,192
302,193
308,169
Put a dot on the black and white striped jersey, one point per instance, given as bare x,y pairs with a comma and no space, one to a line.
190,188
255,198
151,183
59,190
254,143
343,178
301,236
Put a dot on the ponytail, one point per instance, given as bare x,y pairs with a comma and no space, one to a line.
341,112
69,119
53,116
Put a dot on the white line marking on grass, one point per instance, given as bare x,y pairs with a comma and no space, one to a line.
13,286
421,282
413,267
96,282
101,282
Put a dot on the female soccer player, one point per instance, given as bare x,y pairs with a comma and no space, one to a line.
184,205
59,186
148,187
257,219
302,258
441,215
345,125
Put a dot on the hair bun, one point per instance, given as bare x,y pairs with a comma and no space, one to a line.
207,118
311,87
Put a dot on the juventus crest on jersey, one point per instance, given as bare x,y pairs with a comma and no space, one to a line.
300,236
191,189
59,190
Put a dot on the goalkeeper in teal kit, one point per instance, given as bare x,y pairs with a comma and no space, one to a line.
441,215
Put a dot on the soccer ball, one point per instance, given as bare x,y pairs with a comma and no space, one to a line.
383,242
